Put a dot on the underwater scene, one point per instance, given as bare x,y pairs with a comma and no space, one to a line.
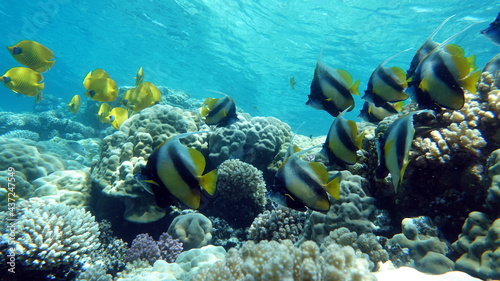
250,140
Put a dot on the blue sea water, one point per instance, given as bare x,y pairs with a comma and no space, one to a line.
247,49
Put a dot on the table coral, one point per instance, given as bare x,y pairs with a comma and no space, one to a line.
479,245
238,184
194,230
271,260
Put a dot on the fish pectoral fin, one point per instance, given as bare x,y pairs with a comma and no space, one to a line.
470,82
320,170
333,188
209,182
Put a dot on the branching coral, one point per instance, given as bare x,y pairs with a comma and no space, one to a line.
278,224
146,248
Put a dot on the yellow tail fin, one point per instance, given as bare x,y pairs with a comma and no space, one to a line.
209,181
333,188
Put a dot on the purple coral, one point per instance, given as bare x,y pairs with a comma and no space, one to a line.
169,247
146,248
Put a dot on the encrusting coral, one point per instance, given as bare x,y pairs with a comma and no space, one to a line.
52,235
425,248
479,246
194,230
493,198
271,260
238,184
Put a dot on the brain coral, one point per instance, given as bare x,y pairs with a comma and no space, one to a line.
254,140
194,230
125,151
271,260
238,184
52,235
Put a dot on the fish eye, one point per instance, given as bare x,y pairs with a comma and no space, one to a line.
6,79
17,50
111,118
92,93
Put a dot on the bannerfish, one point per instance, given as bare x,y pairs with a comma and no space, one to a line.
219,111
33,55
386,84
292,82
440,77
331,89
23,80
493,66
103,113
492,32
374,114
424,50
174,173
300,185
117,116
75,103
342,141
142,96
393,148
139,78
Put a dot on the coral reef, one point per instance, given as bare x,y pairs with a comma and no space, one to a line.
22,134
282,261
53,235
125,151
226,236
479,246
194,230
144,247
47,124
425,248
238,184
279,224
353,210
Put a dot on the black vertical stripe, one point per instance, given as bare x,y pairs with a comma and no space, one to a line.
181,167
389,80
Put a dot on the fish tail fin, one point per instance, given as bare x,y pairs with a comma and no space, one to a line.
333,188
50,64
399,105
209,181
470,82
354,88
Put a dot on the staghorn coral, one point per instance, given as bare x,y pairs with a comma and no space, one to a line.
125,151
271,260
479,247
277,225
353,211
238,184
425,248
52,235
194,230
